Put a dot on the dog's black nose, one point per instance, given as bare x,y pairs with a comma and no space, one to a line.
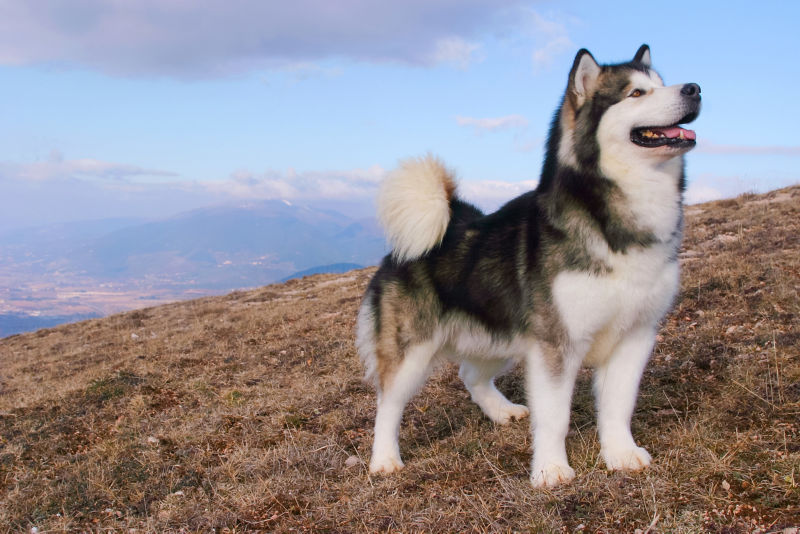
692,90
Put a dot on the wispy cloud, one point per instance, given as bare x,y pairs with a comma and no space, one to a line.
58,168
348,186
491,194
764,150
698,192
306,186
708,186
493,124
218,37
98,189
457,51
551,40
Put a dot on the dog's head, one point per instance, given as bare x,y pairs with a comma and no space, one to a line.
624,112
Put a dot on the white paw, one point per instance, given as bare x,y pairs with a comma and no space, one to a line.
508,411
551,475
387,464
628,459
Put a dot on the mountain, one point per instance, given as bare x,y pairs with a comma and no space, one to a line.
228,247
94,268
248,413
324,269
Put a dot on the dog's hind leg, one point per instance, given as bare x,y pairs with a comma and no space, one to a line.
396,389
616,384
478,376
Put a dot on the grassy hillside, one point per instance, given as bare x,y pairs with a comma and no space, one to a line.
247,412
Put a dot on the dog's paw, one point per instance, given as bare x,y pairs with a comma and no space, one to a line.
551,475
386,465
627,459
506,413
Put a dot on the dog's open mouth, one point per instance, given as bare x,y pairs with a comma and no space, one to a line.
674,136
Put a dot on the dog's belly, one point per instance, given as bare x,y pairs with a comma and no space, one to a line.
467,339
598,310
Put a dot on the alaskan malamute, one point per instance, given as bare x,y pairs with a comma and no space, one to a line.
581,270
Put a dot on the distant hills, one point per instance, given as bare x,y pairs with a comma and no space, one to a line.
94,268
229,247
13,323
324,269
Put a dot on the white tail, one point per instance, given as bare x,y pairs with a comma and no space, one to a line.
414,206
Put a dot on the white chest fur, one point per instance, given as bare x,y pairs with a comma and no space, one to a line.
597,310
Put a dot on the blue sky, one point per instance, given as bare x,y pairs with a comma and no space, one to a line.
151,107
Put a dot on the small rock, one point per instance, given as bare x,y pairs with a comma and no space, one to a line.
352,461
134,335
725,485
152,440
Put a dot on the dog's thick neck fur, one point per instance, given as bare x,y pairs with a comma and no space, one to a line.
573,174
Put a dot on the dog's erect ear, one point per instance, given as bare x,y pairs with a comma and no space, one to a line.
643,56
583,77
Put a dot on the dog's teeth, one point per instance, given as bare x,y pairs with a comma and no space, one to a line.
680,136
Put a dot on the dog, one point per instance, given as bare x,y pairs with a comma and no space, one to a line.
579,271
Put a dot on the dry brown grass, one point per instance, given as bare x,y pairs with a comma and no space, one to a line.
239,413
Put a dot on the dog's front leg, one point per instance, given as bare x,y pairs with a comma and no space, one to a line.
551,376
616,384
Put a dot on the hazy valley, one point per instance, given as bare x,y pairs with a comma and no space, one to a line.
89,269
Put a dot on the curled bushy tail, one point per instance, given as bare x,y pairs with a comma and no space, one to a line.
414,206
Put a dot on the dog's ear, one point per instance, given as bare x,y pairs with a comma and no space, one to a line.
643,56
583,77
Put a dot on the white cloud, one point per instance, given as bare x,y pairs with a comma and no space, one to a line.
697,193
491,194
58,168
764,150
61,189
218,37
551,40
545,55
493,124
457,51
707,186
349,186
306,186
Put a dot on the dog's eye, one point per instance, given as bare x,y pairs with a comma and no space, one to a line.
636,93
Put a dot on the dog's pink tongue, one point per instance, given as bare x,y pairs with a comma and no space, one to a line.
675,131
